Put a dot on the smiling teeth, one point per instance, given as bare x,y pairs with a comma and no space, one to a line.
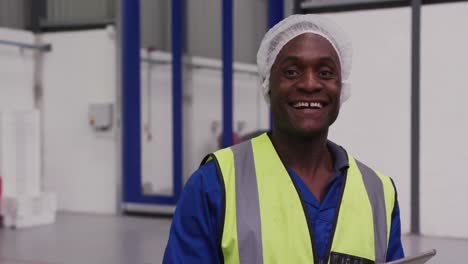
308,105
315,105
301,104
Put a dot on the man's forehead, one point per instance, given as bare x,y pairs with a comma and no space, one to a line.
312,41
292,58
308,44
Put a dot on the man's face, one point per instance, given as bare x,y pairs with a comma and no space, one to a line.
305,86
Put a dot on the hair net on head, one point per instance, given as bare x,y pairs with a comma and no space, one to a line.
293,26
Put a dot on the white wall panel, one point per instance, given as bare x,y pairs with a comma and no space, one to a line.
79,163
444,120
374,124
157,132
206,116
20,162
16,71
19,135
251,112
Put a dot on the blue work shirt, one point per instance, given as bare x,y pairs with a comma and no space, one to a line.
196,226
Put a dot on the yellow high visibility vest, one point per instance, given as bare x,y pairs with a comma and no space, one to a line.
265,220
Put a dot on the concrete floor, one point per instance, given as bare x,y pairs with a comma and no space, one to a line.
97,239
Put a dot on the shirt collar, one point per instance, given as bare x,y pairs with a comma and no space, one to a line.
340,158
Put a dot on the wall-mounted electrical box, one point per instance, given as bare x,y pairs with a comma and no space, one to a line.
101,115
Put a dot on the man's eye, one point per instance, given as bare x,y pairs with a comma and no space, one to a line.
290,73
326,74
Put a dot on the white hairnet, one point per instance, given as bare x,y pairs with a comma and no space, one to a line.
293,26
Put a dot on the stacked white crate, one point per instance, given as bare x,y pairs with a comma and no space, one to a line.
23,204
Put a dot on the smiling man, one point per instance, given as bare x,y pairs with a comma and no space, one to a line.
291,195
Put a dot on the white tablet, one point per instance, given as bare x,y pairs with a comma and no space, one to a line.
418,259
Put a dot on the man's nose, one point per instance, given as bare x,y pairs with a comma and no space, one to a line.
309,82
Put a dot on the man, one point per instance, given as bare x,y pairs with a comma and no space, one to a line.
290,196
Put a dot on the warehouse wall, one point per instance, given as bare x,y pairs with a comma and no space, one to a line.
16,71
19,152
203,27
156,140
444,120
250,111
79,163
202,121
374,124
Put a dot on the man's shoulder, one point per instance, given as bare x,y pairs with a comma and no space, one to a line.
205,177
207,168
361,164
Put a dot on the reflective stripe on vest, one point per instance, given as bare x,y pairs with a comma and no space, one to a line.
265,221
375,192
